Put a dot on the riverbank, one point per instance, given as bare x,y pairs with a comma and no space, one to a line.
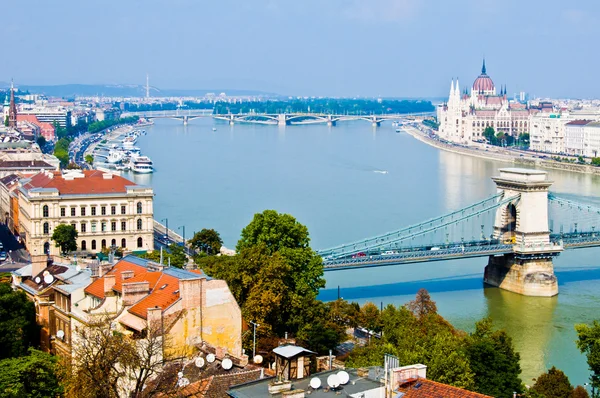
520,158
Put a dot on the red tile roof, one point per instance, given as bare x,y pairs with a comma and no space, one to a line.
164,289
33,119
93,182
424,388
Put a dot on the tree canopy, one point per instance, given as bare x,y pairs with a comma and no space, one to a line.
553,384
65,237
18,328
205,239
33,375
173,255
588,342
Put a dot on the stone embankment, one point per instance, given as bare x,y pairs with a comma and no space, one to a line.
502,155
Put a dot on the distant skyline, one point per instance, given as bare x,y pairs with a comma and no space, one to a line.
388,48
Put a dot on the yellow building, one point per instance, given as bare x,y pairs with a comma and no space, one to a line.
105,209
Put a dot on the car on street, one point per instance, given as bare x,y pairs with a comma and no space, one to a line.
3,255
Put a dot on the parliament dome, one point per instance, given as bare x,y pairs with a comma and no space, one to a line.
483,83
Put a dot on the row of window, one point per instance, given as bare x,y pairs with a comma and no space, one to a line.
113,242
103,226
103,209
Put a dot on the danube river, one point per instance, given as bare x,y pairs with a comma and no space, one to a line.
352,181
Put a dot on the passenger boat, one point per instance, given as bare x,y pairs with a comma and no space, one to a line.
141,164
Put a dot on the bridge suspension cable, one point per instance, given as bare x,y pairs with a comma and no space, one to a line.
432,225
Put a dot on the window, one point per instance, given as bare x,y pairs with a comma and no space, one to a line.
83,211
103,226
93,210
72,212
139,224
113,210
83,227
123,225
140,242
74,226
113,225
46,228
93,226
83,245
63,212
104,243
139,207
123,209
113,242
93,244
123,242
45,211
103,210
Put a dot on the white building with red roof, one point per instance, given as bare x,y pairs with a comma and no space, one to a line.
465,116
105,209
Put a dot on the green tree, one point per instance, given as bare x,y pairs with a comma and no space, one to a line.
588,342
524,139
41,141
18,328
65,237
89,159
59,132
34,375
494,361
205,238
6,121
490,135
553,384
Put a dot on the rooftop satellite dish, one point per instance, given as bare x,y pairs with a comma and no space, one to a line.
78,268
45,273
258,359
333,381
60,334
48,279
180,374
210,358
315,383
37,279
183,382
227,364
199,362
343,377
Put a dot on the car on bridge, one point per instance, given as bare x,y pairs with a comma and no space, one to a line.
359,254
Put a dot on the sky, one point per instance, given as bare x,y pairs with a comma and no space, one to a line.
388,48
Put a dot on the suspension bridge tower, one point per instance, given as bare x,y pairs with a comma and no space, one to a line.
523,223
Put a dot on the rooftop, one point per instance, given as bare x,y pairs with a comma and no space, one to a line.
78,182
424,388
356,385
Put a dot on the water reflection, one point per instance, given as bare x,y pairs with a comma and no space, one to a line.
529,321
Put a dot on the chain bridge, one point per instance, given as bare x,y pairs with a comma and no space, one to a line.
520,228
281,119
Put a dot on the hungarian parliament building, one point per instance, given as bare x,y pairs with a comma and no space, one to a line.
465,116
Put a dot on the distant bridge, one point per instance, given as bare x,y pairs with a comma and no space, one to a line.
280,119
520,249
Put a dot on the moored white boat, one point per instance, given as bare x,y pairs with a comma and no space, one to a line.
141,164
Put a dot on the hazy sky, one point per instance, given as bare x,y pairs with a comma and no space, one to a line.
306,47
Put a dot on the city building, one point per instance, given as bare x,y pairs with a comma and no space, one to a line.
106,210
54,289
465,116
107,114
582,138
48,114
547,133
46,129
29,131
192,308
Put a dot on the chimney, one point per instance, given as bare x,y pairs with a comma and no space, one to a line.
134,292
190,291
38,264
126,275
154,319
109,283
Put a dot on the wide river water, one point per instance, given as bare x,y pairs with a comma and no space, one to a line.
352,181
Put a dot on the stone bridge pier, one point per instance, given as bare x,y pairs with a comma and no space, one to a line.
528,270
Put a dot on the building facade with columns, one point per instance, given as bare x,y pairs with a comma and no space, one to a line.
105,209
465,116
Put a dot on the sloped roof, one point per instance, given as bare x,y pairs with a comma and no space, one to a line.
164,293
424,388
92,182
290,351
